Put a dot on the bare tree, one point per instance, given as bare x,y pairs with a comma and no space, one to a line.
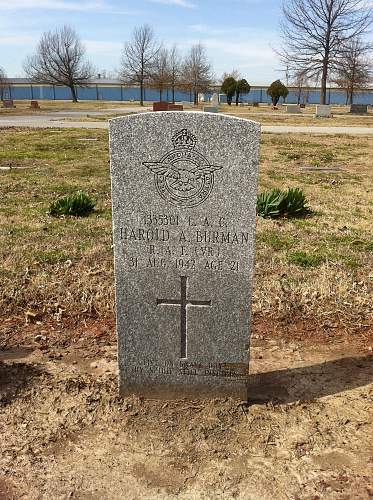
175,69
138,58
314,32
3,83
161,72
354,69
196,73
60,60
231,74
300,81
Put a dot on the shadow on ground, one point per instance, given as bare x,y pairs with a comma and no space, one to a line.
15,379
311,382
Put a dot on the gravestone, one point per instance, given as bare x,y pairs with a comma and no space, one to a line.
175,107
8,103
323,111
215,100
160,106
210,109
184,189
292,108
34,105
359,109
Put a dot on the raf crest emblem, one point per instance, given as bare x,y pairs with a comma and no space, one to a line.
183,176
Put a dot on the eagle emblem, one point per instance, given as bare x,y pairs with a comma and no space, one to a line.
183,176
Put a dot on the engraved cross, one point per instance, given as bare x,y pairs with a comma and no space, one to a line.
183,302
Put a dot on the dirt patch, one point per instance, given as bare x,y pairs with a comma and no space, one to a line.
306,432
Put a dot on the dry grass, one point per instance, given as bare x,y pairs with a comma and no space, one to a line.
267,116
320,266
23,106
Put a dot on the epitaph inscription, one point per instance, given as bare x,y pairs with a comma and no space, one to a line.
184,225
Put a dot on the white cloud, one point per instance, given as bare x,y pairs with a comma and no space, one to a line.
178,3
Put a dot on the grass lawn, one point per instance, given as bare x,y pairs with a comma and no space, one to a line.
319,266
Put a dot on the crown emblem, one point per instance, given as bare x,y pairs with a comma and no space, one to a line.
184,139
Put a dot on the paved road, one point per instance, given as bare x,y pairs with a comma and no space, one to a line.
53,120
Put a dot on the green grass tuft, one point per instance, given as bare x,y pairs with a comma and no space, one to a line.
304,259
277,203
78,204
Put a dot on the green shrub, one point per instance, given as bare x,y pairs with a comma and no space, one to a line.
78,204
277,203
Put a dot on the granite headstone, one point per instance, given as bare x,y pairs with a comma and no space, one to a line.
210,109
359,109
293,108
160,106
184,189
323,111
8,103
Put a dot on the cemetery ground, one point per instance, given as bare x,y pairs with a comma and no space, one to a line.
307,430
103,110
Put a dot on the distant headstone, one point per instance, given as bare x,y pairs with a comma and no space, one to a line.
175,107
215,100
255,104
359,109
323,111
184,199
160,106
210,109
8,103
34,105
292,108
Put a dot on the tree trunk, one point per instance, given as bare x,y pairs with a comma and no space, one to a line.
142,93
352,89
237,97
160,95
196,97
73,93
173,94
323,84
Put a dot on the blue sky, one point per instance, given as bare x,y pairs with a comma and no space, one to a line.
237,33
